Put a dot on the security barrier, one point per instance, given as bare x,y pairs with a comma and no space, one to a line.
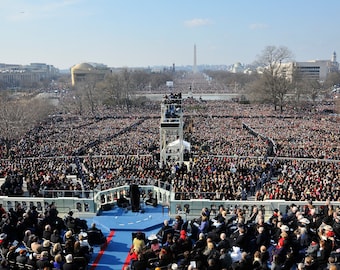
92,205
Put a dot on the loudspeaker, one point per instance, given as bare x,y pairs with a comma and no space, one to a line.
135,198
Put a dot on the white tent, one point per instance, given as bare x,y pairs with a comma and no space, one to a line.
176,145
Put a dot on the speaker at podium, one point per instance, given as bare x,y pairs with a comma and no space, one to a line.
135,198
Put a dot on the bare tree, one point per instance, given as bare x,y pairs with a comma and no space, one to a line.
90,94
71,102
231,79
118,89
298,85
314,89
141,80
111,89
332,79
127,89
86,96
306,89
18,116
274,81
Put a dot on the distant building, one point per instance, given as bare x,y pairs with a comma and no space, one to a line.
86,71
314,70
12,75
237,68
317,69
310,70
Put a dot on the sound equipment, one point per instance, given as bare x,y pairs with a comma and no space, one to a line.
123,202
106,207
151,201
135,198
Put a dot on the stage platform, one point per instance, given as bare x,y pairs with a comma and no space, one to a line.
120,219
118,224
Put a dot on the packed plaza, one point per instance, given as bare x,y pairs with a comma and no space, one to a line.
238,152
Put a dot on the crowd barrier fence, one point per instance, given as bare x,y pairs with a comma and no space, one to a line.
92,205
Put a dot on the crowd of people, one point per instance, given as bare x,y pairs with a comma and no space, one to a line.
298,239
211,177
35,240
227,161
296,137
216,124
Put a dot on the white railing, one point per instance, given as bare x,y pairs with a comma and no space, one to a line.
85,207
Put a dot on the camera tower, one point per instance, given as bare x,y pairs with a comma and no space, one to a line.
171,129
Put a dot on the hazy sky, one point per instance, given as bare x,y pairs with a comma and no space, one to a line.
137,33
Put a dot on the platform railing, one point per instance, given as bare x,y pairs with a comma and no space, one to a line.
190,209
86,207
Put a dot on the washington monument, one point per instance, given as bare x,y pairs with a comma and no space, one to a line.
194,69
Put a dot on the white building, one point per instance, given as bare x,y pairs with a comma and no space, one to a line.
311,70
26,75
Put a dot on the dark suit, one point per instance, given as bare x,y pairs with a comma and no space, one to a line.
163,233
262,239
70,266
242,241
21,258
139,265
42,263
223,244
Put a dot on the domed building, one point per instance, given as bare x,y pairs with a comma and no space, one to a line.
237,68
88,71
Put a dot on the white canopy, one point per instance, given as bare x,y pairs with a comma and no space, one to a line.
176,144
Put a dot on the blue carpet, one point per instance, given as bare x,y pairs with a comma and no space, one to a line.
124,223
119,219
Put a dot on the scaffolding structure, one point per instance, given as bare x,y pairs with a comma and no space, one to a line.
171,129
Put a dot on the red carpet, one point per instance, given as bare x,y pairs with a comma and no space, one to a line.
127,260
102,250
